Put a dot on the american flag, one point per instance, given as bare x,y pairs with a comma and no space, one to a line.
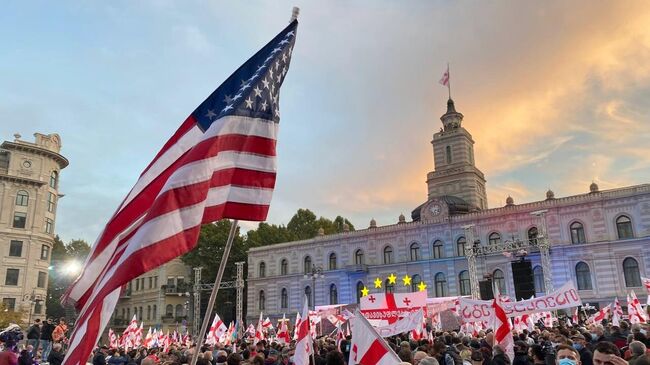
219,164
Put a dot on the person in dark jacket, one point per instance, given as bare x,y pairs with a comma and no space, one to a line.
521,354
100,356
46,337
56,355
500,357
25,358
34,334
580,344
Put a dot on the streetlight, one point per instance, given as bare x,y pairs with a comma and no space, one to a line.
316,272
33,299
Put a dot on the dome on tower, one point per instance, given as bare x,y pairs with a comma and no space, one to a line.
550,194
373,223
593,188
510,201
451,119
401,218
321,231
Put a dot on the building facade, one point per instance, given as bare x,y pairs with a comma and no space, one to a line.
29,193
159,298
599,240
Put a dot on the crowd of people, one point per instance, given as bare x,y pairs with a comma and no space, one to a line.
596,344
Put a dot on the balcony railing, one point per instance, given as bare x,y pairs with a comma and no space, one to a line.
357,268
176,289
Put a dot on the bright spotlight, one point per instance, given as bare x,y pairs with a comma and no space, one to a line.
71,268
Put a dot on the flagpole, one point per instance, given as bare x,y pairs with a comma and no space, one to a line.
215,290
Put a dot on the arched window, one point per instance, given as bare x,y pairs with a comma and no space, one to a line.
499,281
284,267
53,179
22,198
284,298
360,287
155,312
415,282
169,310
631,272
577,233
148,312
358,257
436,250
415,251
388,255
307,265
624,227
334,296
332,261
461,246
389,288
441,285
464,284
262,269
583,276
494,239
261,304
448,154
532,235
310,302
538,279
179,310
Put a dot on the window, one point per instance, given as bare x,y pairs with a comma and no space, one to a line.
415,281
436,250
577,233
307,265
415,251
388,287
137,284
388,255
49,225
45,252
332,261
150,282
464,283
441,285
148,312
262,269
309,298
12,277
358,257
448,154
179,310
9,304
42,279
494,239
51,202
284,267
171,281
360,287
624,227
138,313
499,281
334,296
631,272
461,246
128,313
532,235
53,179
20,219
16,248
284,298
538,279
169,310
155,282
180,281
22,198
583,276
155,312
38,307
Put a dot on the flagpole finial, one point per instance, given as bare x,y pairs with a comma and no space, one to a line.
294,13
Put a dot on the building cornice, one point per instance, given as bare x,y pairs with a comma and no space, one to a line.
21,180
32,148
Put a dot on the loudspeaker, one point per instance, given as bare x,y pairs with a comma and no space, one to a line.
522,273
485,287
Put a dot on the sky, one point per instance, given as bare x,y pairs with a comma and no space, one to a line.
554,93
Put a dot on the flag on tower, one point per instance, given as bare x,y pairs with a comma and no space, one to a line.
219,164
445,78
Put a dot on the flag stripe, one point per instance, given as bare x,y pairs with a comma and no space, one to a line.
374,354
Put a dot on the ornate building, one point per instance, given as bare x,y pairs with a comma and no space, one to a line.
600,240
29,193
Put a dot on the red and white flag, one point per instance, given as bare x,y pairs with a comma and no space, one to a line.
220,163
339,336
634,309
617,313
267,325
217,330
445,78
296,326
646,284
112,339
502,331
137,341
283,332
382,309
575,318
367,347
601,315
148,340
259,334
304,341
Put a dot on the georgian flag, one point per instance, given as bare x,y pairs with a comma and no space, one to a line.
267,324
304,342
445,78
112,339
502,330
367,347
259,335
617,313
283,332
296,326
382,309
635,311
217,329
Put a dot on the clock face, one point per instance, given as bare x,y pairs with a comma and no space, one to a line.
27,164
435,209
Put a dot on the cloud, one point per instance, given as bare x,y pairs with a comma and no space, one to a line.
193,38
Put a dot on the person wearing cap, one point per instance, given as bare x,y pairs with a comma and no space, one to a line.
580,344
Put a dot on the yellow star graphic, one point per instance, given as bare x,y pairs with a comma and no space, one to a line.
407,280
422,286
377,283
392,278
364,291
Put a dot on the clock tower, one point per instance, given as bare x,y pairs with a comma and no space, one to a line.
454,172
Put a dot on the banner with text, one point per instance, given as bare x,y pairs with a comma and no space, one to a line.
412,321
386,308
472,310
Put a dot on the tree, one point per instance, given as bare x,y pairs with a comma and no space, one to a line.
7,317
303,225
268,234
